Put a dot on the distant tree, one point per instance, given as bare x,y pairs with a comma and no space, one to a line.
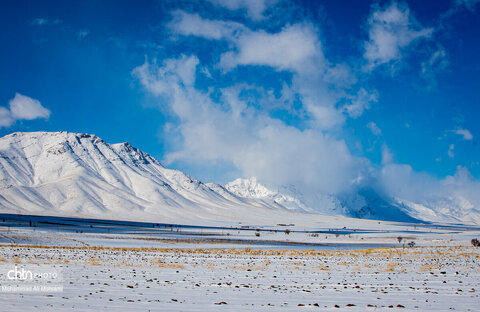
399,239
287,231
475,242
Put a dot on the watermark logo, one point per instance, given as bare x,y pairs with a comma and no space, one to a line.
30,278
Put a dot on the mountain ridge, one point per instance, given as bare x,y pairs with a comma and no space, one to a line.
79,174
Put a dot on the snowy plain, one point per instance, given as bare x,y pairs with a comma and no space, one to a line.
126,267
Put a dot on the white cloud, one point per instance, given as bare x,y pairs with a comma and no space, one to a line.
187,24
360,102
6,119
387,156
391,31
450,151
39,21
232,131
437,60
435,64
467,135
81,34
255,8
469,4
295,48
452,197
219,126
374,128
22,107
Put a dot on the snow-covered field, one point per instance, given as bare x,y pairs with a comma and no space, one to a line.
205,269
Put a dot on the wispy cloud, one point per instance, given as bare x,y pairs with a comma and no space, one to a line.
42,21
450,151
465,133
469,4
255,9
387,156
374,128
39,21
188,24
458,5
360,102
391,31
81,34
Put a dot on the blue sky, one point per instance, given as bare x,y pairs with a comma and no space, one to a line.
319,94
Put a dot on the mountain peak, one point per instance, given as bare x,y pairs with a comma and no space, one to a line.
80,175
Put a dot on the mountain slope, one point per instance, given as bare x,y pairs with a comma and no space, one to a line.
364,204
61,173
80,175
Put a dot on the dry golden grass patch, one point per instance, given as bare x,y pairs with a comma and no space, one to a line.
159,262
385,252
322,267
93,261
391,266
429,267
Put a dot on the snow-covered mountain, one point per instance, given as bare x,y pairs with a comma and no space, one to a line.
69,174
251,188
362,203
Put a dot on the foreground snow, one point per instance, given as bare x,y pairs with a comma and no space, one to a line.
126,279
128,267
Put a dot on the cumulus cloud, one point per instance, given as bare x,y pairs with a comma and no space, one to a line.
317,83
374,128
255,8
295,48
230,130
220,126
391,31
22,107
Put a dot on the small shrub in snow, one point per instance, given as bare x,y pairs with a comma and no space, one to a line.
475,242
